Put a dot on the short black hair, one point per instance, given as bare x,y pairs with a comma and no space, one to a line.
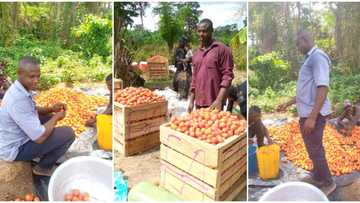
28,60
108,78
208,22
254,110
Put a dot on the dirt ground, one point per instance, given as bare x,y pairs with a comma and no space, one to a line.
146,167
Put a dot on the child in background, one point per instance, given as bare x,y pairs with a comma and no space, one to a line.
257,127
108,111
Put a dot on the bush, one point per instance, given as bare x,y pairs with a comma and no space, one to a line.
57,65
93,36
269,71
269,99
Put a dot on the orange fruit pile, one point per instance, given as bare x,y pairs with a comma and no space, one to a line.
211,126
133,96
342,153
29,198
76,195
80,107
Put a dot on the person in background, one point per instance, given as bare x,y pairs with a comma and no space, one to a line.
349,118
188,59
313,108
108,111
213,70
238,95
257,127
180,59
28,131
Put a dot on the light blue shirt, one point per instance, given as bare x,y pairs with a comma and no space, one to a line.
314,72
19,121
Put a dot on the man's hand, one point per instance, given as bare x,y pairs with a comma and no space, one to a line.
60,115
216,105
309,125
58,107
190,107
282,107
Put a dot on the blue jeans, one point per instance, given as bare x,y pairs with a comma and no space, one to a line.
315,148
51,149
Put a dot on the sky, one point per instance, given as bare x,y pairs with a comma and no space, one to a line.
221,14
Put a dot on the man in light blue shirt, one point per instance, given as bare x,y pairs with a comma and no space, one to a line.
28,131
313,107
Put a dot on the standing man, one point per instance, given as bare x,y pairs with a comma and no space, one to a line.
213,70
313,108
180,59
28,131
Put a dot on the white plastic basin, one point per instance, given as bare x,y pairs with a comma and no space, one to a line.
88,174
294,191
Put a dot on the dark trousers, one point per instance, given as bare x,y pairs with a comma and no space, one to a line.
315,148
51,149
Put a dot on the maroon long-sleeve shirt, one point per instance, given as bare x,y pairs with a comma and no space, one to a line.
213,69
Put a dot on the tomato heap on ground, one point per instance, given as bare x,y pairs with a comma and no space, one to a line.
132,96
342,153
80,107
211,126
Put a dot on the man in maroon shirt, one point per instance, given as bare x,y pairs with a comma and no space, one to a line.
213,70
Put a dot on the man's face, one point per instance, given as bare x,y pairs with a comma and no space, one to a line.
205,32
301,45
29,76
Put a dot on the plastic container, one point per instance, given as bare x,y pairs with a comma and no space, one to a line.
252,161
294,191
86,173
148,192
268,158
104,131
121,187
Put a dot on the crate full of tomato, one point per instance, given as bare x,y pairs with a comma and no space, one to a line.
138,114
203,155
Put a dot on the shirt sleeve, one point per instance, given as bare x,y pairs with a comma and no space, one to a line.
226,65
321,71
27,119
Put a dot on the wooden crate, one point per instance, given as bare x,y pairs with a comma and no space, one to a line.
190,166
137,128
156,74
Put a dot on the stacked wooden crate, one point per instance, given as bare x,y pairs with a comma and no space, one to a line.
158,68
196,170
137,127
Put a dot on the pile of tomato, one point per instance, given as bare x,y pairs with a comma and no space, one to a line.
133,96
80,107
211,126
29,198
342,153
75,195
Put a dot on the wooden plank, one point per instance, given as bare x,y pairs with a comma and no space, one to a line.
235,190
241,149
140,128
213,177
198,150
189,188
129,114
141,144
194,168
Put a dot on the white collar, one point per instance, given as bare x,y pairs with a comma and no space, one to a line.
311,51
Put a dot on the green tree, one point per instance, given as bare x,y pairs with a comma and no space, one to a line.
188,14
169,26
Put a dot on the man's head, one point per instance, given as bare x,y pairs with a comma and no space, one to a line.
29,72
205,30
108,80
304,41
254,114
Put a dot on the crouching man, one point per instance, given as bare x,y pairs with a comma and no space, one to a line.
28,131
